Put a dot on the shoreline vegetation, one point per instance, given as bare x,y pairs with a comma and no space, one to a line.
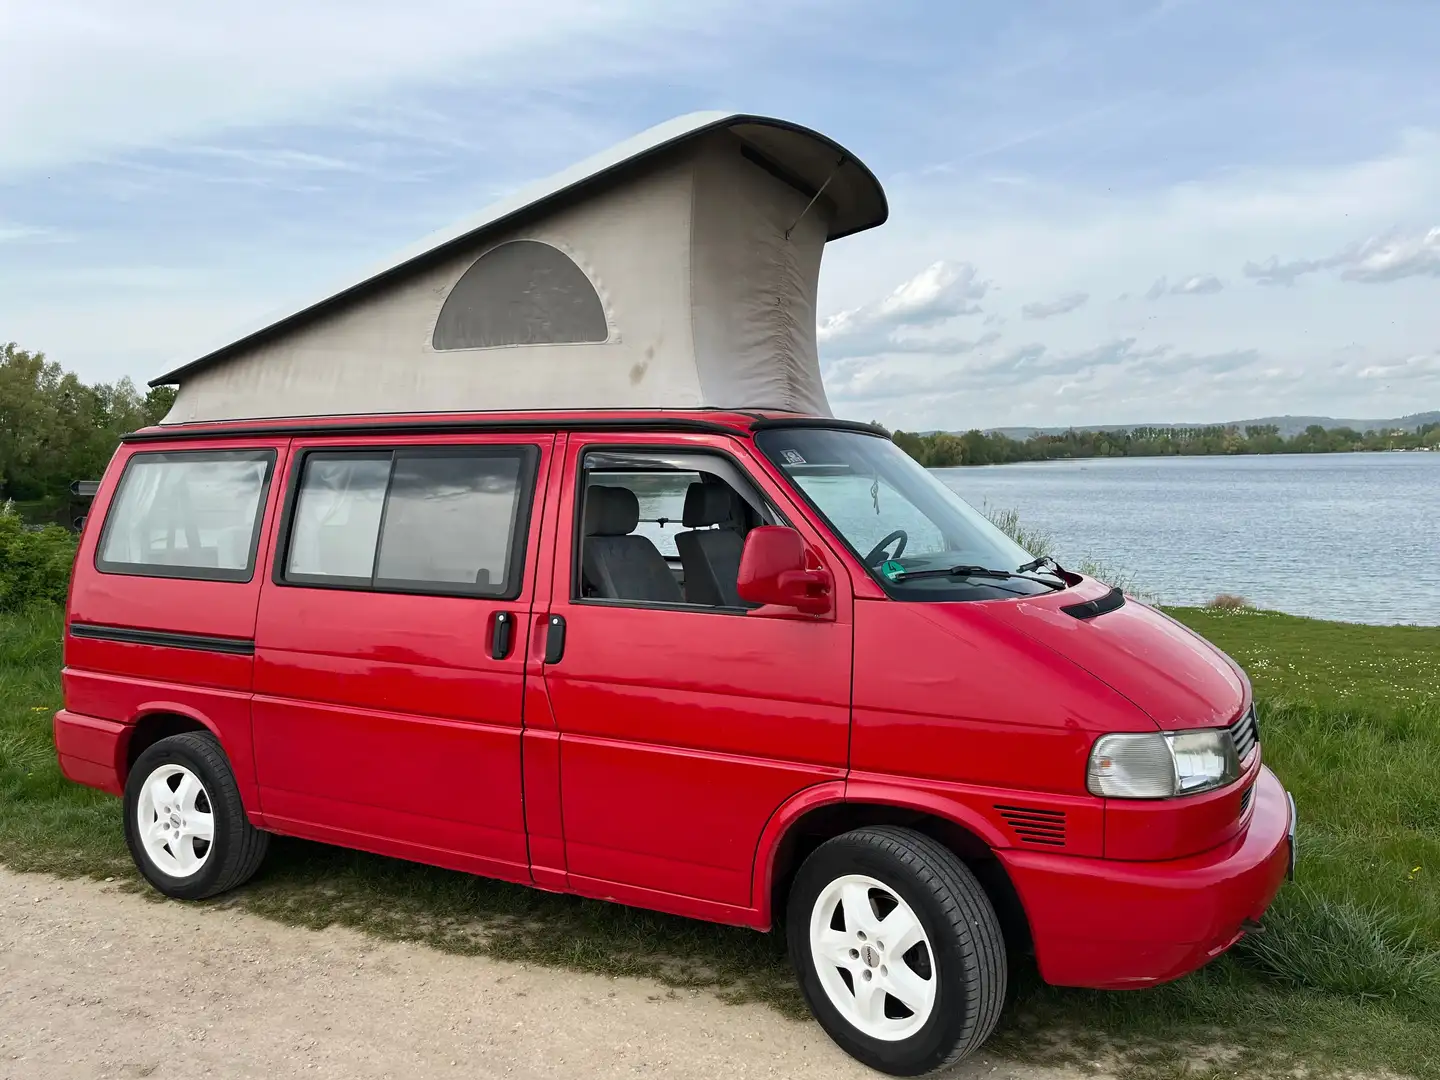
944,450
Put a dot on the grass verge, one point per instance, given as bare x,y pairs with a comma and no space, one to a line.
1345,981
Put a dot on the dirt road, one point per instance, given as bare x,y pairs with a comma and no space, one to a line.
95,983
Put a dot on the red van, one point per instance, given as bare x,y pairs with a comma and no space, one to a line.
537,555
752,669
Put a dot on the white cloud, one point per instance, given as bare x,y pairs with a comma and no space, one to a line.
1043,309
1198,285
88,77
1394,257
1420,366
1242,352
1391,257
937,294
29,234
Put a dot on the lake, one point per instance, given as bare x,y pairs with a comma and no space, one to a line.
1354,537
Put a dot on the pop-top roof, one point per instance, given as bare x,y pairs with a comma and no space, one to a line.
675,270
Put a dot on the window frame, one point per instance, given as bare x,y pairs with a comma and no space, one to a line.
651,450
529,454
267,454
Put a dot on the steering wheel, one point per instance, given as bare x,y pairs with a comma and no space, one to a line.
877,553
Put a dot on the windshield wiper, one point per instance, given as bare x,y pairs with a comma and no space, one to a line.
965,572
1044,562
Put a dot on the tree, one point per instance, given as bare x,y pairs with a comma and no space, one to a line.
55,429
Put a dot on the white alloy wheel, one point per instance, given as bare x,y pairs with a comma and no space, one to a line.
174,821
873,957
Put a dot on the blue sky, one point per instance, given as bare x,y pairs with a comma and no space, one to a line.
1101,212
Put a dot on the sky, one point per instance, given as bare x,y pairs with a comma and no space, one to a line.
1107,212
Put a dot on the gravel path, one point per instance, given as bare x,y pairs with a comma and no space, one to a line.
95,982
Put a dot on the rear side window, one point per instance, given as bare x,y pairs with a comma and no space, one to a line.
187,514
428,520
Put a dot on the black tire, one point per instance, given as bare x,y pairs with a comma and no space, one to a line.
968,947
237,847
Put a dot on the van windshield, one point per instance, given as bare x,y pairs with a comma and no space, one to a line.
898,519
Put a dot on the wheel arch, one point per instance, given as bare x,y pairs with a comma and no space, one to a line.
828,810
154,721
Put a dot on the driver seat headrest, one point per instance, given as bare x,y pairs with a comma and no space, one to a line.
711,504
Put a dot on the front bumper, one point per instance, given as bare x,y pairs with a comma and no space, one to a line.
1110,925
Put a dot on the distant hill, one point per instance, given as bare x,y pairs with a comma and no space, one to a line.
1288,425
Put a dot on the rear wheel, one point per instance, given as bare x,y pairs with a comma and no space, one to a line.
898,950
184,823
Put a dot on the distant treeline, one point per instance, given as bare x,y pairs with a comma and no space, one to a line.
55,429
944,449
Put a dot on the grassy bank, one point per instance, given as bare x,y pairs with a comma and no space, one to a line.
1346,978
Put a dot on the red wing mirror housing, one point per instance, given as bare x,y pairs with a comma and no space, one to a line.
774,569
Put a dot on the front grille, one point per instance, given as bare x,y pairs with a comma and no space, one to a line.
1246,733
1032,825
1245,797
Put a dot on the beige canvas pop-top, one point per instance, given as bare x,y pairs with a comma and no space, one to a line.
677,270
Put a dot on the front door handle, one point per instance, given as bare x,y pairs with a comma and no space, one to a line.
502,635
555,639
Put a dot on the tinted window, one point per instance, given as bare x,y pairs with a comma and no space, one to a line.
521,293
451,520
434,521
337,517
187,515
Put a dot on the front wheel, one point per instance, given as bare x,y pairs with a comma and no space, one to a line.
184,823
898,950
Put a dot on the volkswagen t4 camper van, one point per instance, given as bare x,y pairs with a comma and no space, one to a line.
537,554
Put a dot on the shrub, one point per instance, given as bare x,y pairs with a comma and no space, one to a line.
1228,602
1034,541
34,563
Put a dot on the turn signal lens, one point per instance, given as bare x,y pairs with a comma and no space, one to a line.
1161,765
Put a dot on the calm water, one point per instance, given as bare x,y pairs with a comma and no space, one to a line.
1334,536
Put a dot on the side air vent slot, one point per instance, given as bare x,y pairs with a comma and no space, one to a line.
1246,733
1099,606
1044,828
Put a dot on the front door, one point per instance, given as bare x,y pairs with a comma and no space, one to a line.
390,651
684,723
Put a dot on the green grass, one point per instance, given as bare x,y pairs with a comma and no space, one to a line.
1346,979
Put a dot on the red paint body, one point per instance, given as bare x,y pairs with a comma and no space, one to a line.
667,758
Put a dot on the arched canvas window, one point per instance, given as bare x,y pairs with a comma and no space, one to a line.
521,293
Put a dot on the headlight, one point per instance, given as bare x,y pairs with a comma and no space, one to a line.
1162,764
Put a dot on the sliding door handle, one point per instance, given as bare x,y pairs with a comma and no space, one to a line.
502,635
554,639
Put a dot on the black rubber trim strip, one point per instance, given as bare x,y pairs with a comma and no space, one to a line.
1099,606
169,639
771,423
361,428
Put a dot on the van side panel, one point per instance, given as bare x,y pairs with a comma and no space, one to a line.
137,645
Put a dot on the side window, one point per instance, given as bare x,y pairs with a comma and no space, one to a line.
664,528
426,520
187,514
